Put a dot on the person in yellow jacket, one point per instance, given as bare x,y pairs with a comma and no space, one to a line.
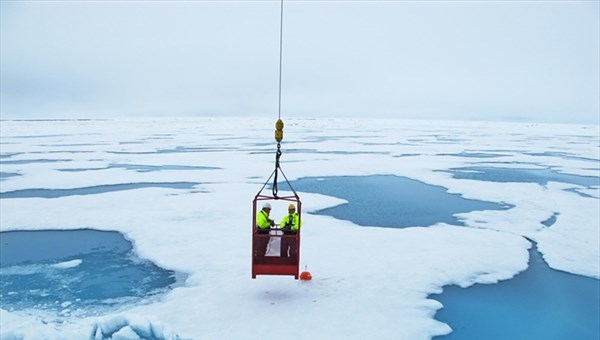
290,225
263,225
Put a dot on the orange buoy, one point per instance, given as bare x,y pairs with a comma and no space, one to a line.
305,276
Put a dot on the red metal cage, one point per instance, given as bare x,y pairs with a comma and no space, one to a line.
272,263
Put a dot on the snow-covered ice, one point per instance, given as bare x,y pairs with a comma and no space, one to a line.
67,264
367,282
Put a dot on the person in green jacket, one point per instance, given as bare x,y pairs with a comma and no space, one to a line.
263,225
290,225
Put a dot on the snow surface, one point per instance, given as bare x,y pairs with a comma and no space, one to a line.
368,282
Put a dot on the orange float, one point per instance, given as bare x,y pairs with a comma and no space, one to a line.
305,276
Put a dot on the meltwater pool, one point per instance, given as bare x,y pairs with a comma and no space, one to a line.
76,272
539,303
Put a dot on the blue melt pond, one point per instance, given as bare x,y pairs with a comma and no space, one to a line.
100,189
540,303
75,272
391,201
5,175
143,168
505,175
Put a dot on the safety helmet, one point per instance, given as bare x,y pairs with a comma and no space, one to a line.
267,205
291,206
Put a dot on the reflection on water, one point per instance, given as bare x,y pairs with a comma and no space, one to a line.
75,272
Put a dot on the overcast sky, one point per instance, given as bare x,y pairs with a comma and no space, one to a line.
468,60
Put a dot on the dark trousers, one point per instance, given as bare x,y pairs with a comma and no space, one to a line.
260,245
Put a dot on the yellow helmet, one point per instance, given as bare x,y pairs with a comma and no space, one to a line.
291,207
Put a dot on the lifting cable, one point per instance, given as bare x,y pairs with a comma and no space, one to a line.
279,123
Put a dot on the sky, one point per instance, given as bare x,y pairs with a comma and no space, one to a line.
532,61
368,282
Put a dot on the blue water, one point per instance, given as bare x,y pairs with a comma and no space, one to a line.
315,151
551,220
32,161
580,193
564,155
55,193
5,175
473,155
540,303
144,168
104,271
178,149
41,136
9,155
391,201
505,175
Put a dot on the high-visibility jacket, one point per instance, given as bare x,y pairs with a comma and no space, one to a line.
262,220
290,221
